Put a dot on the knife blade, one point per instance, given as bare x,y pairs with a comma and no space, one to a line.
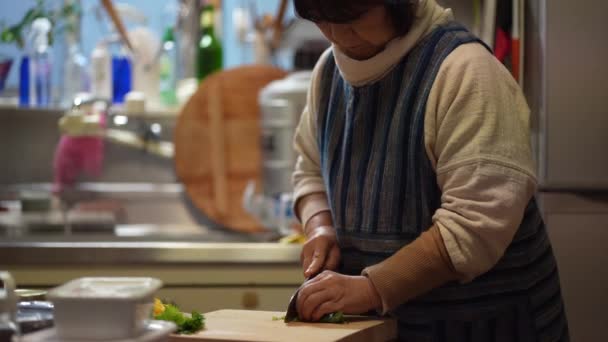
292,311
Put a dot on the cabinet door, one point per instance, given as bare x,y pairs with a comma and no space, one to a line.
568,61
578,228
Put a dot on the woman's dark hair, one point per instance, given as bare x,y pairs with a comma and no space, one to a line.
402,12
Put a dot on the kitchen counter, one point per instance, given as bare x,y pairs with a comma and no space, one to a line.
134,252
203,276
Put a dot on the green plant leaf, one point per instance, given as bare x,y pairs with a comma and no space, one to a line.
9,35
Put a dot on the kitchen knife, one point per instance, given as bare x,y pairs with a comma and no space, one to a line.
292,311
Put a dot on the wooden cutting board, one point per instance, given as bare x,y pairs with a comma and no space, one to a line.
217,143
258,326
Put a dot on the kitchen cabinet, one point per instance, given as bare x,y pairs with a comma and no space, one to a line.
578,228
202,288
212,298
196,276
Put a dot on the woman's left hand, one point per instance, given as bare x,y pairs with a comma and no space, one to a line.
331,292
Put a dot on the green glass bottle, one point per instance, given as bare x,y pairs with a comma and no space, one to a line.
168,69
210,53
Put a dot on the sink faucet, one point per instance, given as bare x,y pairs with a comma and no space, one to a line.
83,100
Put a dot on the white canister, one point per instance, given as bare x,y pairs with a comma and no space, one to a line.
281,104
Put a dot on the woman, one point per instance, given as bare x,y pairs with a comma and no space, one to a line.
415,181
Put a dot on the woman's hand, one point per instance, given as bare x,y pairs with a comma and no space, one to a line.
321,251
331,292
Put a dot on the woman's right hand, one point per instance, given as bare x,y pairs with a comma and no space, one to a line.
321,251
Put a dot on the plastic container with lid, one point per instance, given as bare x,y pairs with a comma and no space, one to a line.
103,308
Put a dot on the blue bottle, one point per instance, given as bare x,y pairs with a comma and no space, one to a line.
24,82
121,76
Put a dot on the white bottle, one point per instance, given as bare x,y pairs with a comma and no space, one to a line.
101,71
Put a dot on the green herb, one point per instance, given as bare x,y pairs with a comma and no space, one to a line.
185,324
334,318
193,324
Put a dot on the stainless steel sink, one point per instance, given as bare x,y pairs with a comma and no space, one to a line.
140,190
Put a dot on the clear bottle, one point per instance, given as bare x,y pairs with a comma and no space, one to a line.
40,77
210,52
168,69
76,78
101,71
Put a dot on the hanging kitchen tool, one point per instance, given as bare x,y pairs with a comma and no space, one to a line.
217,143
278,25
120,27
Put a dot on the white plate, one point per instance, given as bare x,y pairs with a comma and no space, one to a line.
154,331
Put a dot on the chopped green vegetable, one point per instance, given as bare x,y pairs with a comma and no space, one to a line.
185,324
193,324
334,318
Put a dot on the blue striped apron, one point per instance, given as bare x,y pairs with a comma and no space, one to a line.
383,193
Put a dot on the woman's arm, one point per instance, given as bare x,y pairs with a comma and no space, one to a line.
307,179
477,137
321,250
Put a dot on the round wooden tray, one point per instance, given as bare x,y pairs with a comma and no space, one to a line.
217,143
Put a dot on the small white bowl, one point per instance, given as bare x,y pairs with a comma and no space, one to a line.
103,308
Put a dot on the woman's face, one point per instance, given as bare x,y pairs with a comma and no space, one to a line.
364,37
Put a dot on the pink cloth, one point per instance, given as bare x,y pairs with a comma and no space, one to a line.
75,156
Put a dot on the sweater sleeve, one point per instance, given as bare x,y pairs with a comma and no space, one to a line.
307,178
478,138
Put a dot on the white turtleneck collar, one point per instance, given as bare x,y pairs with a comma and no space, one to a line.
429,15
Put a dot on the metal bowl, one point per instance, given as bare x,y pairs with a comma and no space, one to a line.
35,315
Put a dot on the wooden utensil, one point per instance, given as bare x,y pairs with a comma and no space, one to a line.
217,143
278,25
120,27
218,158
254,326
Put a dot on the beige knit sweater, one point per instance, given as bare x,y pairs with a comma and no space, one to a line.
477,138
